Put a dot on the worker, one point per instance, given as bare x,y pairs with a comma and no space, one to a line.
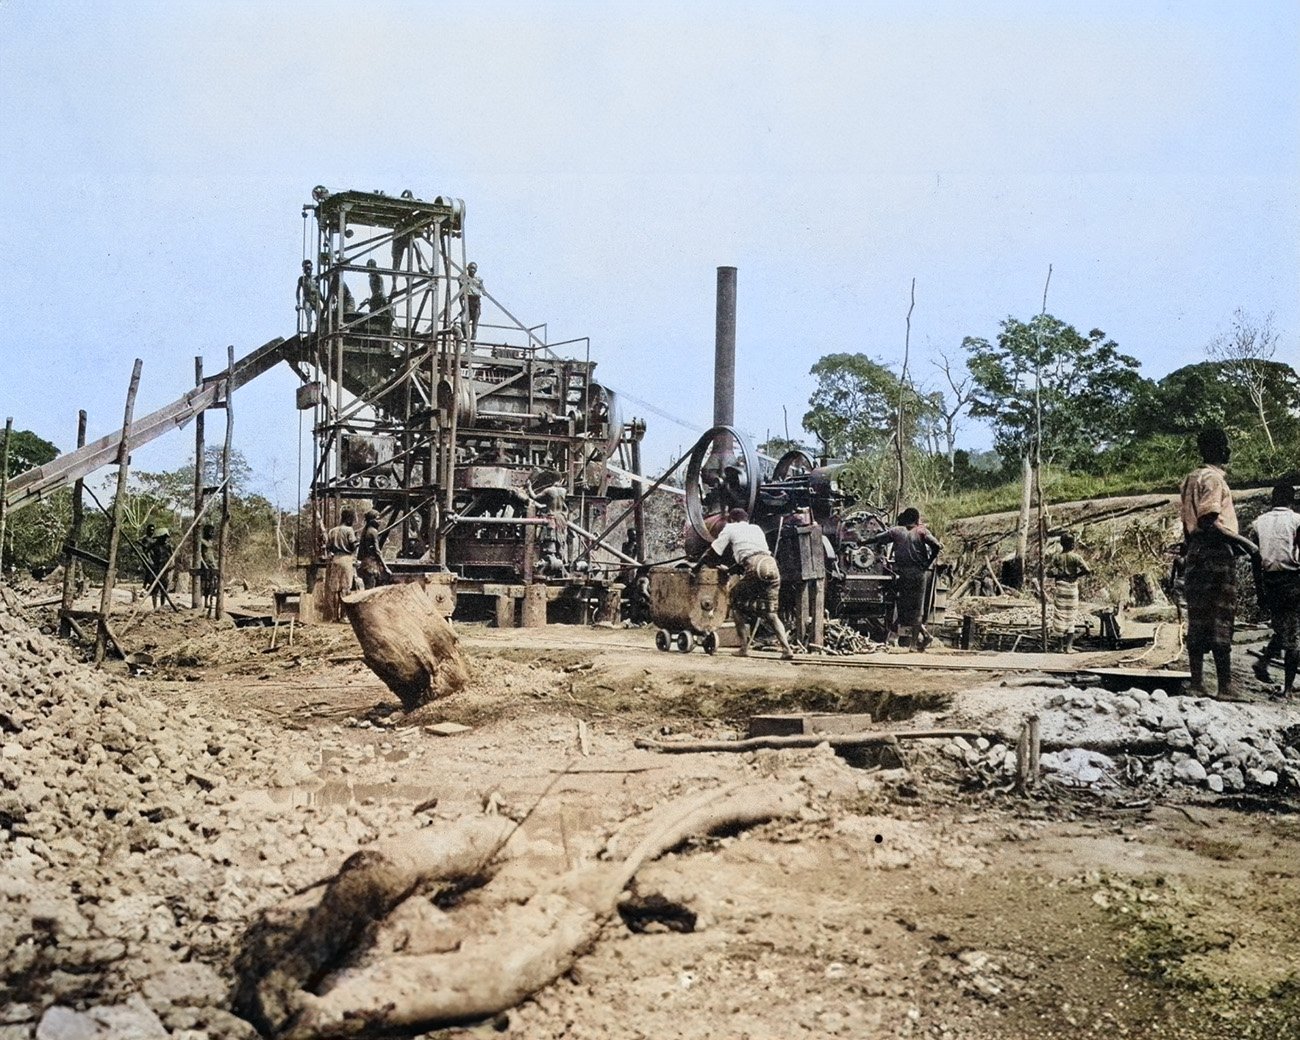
403,237
207,567
757,596
915,549
471,293
341,544
337,285
309,299
1210,530
158,553
371,565
1065,569
1277,583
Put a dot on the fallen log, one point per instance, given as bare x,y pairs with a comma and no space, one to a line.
407,642
283,960
520,948
802,740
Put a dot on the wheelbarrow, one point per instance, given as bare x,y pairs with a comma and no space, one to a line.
688,607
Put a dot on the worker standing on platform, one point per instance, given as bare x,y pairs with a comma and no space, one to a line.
310,303
341,543
471,293
758,594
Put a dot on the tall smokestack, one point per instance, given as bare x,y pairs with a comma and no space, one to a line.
724,355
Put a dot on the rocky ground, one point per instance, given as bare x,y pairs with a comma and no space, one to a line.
146,821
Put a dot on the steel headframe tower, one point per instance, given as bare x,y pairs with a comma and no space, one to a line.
456,441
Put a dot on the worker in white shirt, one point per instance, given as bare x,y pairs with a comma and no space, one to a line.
758,594
1277,583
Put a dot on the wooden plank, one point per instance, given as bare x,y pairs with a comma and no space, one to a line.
808,722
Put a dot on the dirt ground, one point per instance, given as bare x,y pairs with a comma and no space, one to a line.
899,902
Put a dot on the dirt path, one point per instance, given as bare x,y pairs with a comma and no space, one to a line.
898,904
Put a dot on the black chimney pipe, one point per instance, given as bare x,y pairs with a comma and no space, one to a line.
724,356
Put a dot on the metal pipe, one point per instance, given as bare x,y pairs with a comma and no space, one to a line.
724,351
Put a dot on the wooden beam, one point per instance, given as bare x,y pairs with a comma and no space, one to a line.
102,634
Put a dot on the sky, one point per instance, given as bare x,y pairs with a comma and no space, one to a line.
155,157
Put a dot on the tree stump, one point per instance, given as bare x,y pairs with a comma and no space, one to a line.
406,641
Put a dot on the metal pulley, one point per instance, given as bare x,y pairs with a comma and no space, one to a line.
722,474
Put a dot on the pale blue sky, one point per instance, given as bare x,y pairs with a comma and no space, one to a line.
155,157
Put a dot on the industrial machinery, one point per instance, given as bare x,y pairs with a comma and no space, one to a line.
482,448
816,534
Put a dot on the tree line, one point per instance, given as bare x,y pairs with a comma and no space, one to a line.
1095,414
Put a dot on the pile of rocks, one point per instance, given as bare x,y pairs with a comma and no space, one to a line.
131,853
1100,736
1192,740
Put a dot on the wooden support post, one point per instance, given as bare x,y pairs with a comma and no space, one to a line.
224,537
71,565
196,581
4,488
817,636
505,610
638,507
1022,759
534,610
1035,750
967,631
115,524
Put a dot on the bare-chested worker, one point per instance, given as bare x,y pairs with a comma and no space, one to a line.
471,292
309,299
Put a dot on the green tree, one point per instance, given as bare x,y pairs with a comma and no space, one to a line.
1088,390
27,451
34,535
854,408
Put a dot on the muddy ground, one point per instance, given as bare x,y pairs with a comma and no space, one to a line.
914,901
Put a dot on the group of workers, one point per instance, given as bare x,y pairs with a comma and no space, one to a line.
1212,544
756,597
354,561
311,305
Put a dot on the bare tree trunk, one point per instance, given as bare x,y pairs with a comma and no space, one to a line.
1022,526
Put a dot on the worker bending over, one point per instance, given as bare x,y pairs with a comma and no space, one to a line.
758,594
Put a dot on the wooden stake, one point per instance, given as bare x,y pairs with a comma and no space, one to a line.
196,579
1022,758
224,536
1035,749
115,524
71,565
4,488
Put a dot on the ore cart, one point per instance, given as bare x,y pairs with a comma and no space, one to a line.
688,608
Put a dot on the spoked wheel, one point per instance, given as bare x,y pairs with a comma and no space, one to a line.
662,640
794,463
686,642
722,474
710,643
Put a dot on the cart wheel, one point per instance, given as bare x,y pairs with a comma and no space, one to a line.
710,643
662,640
686,642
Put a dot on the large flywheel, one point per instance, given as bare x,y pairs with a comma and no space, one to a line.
722,474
